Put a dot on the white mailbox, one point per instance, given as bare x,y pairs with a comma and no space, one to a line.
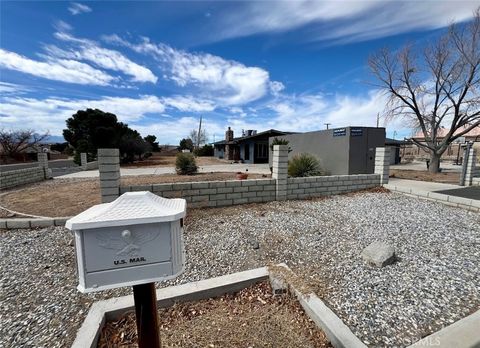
133,240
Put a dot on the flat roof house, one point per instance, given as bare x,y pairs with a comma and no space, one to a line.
251,147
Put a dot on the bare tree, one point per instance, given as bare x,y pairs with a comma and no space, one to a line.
13,143
198,138
435,89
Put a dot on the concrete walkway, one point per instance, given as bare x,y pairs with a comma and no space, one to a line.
422,185
422,166
451,193
235,167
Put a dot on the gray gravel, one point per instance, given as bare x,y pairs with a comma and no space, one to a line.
435,282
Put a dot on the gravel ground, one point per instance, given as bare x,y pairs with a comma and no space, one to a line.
435,282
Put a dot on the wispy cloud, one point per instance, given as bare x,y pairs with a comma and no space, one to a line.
345,21
62,26
51,113
88,50
227,82
146,113
12,88
189,103
65,70
77,8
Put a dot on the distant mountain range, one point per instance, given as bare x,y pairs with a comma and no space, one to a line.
52,139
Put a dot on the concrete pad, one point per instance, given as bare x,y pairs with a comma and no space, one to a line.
461,334
230,168
421,185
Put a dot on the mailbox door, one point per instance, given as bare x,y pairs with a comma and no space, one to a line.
111,248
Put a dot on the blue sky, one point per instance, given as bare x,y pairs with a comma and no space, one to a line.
159,66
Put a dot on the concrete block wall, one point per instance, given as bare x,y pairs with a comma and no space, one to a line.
20,177
42,159
92,165
382,163
109,168
85,164
83,160
472,170
213,193
315,186
280,170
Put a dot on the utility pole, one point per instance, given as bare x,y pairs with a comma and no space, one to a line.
327,124
378,119
199,132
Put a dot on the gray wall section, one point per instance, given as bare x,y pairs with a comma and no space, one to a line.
339,155
362,149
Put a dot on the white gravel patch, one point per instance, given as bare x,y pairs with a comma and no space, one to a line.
435,282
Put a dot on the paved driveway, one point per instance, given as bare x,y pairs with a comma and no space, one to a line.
235,167
472,192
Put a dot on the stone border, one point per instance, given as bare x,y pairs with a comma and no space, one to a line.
335,330
32,222
459,202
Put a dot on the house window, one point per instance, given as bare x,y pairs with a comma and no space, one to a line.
262,150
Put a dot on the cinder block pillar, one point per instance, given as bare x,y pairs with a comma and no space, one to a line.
83,160
280,170
109,168
471,166
382,163
42,158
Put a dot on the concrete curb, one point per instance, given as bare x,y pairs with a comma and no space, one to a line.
337,332
465,203
461,334
32,222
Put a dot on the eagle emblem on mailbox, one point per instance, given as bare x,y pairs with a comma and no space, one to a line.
126,242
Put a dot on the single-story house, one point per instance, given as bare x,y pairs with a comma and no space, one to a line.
341,151
395,146
251,147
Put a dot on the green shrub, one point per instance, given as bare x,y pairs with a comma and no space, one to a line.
206,150
185,164
277,141
303,165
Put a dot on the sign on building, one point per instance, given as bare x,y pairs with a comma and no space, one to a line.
340,132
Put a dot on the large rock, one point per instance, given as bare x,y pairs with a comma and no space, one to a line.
379,254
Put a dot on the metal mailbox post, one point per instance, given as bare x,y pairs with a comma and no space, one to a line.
135,240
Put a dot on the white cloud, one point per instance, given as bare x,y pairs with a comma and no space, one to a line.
12,88
64,70
62,26
76,8
341,20
189,103
226,81
276,87
51,113
105,58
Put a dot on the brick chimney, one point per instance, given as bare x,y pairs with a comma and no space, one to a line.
228,149
229,135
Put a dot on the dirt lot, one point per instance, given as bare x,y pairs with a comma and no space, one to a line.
159,160
447,177
251,318
67,197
